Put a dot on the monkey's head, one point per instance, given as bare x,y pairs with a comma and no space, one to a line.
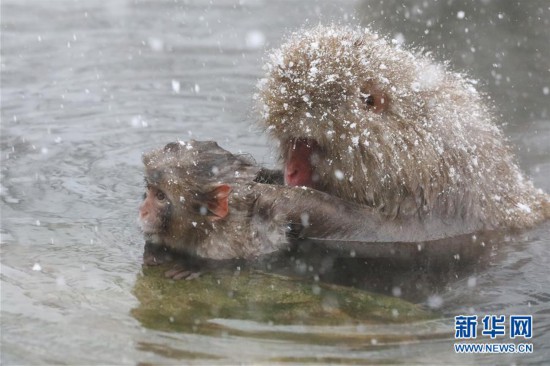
364,119
184,197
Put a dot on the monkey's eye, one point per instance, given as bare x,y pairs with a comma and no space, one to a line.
160,196
374,102
370,101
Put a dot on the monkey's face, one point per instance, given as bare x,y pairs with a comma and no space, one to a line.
319,94
183,199
317,163
174,215
346,107
154,211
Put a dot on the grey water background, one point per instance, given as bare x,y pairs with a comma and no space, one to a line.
87,86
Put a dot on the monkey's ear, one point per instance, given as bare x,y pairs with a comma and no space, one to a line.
218,202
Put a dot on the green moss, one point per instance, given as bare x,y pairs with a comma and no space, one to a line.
190,306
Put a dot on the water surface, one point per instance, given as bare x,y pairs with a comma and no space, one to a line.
88,86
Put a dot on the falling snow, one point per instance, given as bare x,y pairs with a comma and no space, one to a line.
175,86
434,301
434,124
255,39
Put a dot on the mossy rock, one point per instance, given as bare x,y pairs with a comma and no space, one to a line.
203,304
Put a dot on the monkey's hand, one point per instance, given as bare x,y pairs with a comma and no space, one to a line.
179,272
154,255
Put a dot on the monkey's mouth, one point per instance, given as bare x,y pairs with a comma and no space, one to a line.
299,162
148,228
153,238
149,231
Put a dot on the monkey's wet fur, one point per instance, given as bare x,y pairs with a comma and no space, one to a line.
378,145
367,120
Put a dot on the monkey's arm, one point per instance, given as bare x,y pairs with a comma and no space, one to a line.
322,216
270,176
154,254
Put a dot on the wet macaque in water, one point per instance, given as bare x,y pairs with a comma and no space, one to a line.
189,206
366,120
205,202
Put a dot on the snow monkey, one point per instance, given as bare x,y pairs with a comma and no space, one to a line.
199,201
366,120
205,202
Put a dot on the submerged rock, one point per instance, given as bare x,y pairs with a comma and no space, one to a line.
212,301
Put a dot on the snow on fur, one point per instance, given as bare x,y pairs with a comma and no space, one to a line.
435,150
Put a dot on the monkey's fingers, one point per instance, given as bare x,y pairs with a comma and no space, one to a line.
182,275
178,272
193,275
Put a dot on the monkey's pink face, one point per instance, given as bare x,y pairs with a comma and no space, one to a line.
307,161
154,211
